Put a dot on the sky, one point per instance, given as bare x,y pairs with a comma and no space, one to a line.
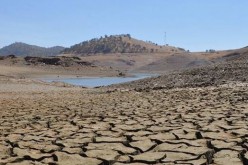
195,25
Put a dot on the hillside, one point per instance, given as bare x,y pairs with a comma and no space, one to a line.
52,66
177,61
22,49
212,75
187,60
118,44
234,55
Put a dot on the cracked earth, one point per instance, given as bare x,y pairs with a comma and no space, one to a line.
66,125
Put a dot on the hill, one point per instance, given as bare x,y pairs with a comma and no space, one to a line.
22,49
212,75
177,61
234,55
187,60
117,44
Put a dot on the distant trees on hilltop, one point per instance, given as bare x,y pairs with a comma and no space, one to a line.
108,44
210,51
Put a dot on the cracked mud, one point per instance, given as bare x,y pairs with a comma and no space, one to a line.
96,127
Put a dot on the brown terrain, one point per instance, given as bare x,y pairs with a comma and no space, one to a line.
197,115
40,67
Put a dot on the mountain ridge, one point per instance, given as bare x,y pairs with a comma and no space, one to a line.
123,43
23,49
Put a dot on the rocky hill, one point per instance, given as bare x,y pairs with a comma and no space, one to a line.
199,77
232,68
45,61
234,55
22,49
177,61
187,60
117,44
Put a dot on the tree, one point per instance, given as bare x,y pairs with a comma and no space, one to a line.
129,36
212,51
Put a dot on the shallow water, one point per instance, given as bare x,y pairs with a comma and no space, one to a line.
98,81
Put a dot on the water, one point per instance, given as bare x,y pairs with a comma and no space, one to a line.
98,81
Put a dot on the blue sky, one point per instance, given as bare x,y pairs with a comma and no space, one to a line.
191,24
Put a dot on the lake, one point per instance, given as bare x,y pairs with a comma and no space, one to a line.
98,81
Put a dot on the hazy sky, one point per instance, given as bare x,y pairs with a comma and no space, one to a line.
191,24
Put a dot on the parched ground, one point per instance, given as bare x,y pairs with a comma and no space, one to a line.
44,124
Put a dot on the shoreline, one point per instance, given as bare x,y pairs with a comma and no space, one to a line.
94,82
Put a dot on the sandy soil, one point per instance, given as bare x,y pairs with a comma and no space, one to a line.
54,71
47,124
127,61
